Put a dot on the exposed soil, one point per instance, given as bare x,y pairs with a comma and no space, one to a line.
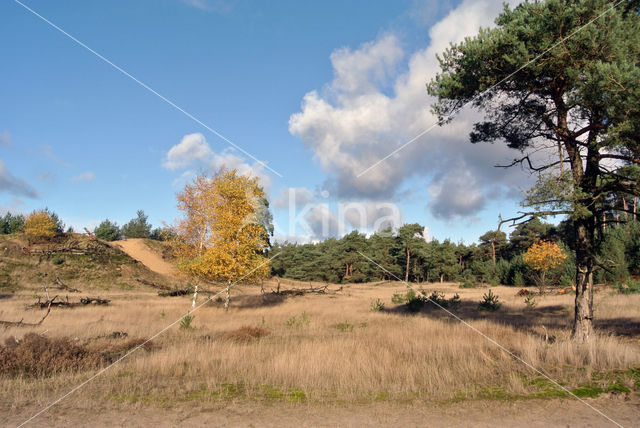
529,413
138,250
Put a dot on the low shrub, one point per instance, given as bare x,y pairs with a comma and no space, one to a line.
344,326
377,305
468,283
631,287
490,302
185,323
39,356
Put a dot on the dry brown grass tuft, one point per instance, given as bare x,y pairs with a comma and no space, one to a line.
39,356
245,334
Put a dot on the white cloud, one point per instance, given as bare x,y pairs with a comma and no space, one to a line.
369,109
370,215
194,151
14,185
296,196
85,176
192,148
322,223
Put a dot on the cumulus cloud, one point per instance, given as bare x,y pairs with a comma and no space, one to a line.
192,148
312,213
194,151
85,176
370,215
369,109
296,196
14,185
321,223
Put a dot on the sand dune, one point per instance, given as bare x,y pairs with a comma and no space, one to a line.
137,249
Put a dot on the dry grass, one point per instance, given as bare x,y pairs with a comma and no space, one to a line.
245,334
387,355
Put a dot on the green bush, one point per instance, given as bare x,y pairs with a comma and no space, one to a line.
415,304
454,302
611,252
11,223
631,287
468,283
377,305
137,227
530,301
344,326
398,299
185,323
437,299
107,231
489,302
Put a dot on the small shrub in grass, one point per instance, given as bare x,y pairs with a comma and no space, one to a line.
438,300
489,302
57,260
632,287
454,302
399,299
185,323
303,321
377,305
530,301
344,326
415,305
467,284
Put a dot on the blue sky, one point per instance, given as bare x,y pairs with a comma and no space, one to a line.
318,91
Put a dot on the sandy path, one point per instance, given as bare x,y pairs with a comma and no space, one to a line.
491,414
137,249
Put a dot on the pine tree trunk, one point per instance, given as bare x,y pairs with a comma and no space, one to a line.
406,275
493,251
583,320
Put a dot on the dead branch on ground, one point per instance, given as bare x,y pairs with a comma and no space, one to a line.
21,323
63,286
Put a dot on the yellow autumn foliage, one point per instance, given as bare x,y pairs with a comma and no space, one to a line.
39,224
220,238
544,256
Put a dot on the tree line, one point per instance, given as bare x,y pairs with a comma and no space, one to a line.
495,259
46,223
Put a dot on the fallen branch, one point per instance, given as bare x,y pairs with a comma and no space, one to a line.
173,293
301,291
26,324
63,286
94,301
153,284
67,304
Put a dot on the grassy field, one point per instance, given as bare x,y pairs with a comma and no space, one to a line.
331,349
